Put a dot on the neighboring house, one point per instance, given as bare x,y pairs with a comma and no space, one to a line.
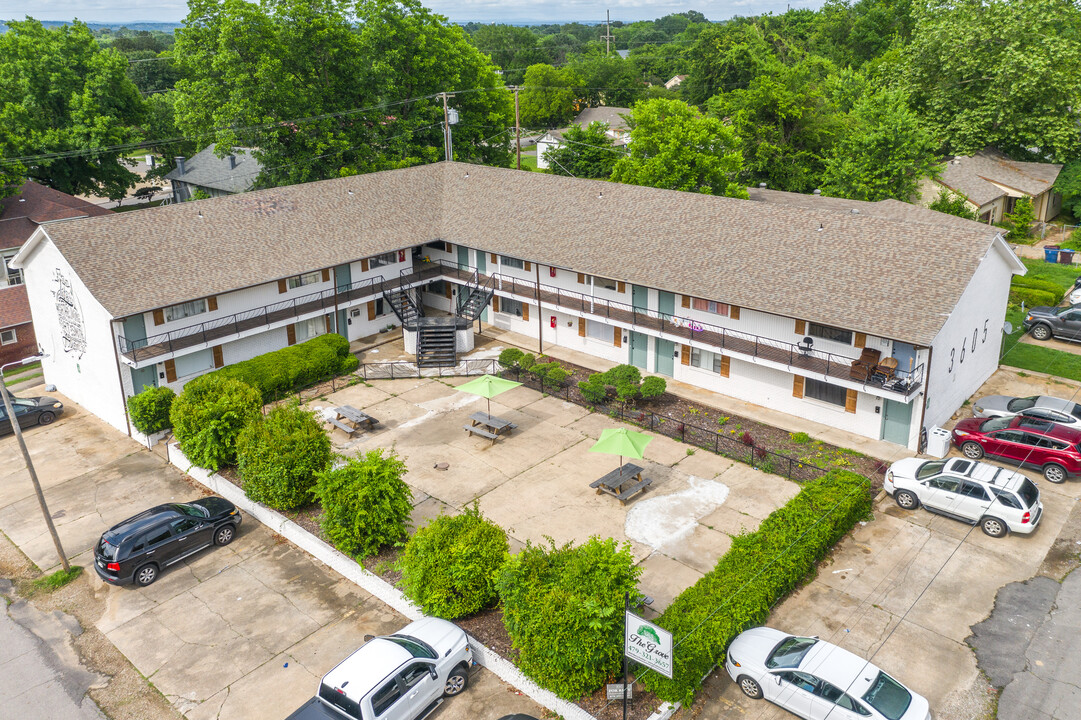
992,183
614,117
675,82
213,175
20,216
715,292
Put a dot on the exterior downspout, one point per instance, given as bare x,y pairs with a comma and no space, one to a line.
926,396
119,376
540,315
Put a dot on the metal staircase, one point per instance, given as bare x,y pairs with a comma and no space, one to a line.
436,342
474,297
406,306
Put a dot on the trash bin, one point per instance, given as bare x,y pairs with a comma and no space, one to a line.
938,442
1050,253
1065,257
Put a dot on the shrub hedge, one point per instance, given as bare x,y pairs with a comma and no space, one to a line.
563,610
149,410
1032,297
278,372
208,416
279,455
759,569
625,381
449,565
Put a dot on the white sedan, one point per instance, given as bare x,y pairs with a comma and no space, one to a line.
813,679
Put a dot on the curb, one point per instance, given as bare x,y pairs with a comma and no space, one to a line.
351,570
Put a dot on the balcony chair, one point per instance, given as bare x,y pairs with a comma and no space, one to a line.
864,366
805,346
886,370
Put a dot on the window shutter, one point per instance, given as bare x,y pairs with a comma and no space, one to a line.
525,312
726,363
371,309
495,260
447,247
170,371
685,354
219,360
159,317
860,340
364,265
581,278
733,312
797,385
581,327
495,303
326,318
850,401
291,334
801,327
326,274
619,336
283,286
528,266
212,303
447,289
686,302
621,287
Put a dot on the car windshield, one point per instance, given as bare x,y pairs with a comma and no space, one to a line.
930,469
417,648
1076,411
1019,404
789,653
190,510
1028,492
999,423
107,549
888,696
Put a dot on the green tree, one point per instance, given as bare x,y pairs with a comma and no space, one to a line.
674,146
585,152
998,72
61,92
209,415
512,48
1021,220
1068,185
151,72
549,97
279,455
607,80
953,203
884,154
725,57
149,410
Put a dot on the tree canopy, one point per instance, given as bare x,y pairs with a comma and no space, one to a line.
585,152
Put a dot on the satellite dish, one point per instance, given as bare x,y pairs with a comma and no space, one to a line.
1007,327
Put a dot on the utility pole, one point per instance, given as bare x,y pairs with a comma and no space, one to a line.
29,463
446,130
608,34
517,129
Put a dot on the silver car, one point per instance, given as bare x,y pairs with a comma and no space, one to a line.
1045,407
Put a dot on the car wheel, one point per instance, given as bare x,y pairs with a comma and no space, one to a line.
1054,473
46,418
224,535
906,500
457,681
972,450
146,575
1041,332
993,526
749,687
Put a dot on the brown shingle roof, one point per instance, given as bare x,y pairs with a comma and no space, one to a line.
34,204
14,306
880,275
974,177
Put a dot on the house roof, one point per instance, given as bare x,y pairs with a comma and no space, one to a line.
612,116
206,169
14,306
883,275
975,177
20,214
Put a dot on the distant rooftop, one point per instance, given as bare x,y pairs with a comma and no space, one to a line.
35,204
978,177
206,169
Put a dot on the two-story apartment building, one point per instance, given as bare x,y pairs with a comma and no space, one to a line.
876,318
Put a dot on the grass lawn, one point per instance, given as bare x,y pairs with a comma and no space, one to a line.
528,161
22,372
1061,275
1038,358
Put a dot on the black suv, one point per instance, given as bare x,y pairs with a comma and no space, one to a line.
138,549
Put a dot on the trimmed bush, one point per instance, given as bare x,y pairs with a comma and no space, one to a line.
276,373
449,566
563,609
366,505
279,455
594,390
759,569
510,357
149,410
1037,283
208,416
1031,297
526,361
557,376
652,387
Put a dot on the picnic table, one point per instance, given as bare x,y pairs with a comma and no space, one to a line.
488,426
624,483
350,420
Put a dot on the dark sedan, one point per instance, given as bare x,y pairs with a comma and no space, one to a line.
30,411
140,548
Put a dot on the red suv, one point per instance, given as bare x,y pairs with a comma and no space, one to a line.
1046,446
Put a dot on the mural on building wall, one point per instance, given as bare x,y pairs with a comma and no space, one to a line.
72,328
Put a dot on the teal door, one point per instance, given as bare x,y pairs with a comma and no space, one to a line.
639,297
144,378
639,349
896,418
666,303
343,277
135,332
463,258
664,360
482,267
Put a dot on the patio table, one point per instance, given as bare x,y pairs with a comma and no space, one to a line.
622,483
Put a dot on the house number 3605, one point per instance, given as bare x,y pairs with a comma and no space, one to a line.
964,347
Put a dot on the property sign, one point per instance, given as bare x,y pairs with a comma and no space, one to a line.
615,691
648,644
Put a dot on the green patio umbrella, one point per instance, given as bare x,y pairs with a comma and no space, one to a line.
622,442
488,386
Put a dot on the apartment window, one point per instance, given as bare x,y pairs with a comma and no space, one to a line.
706,360
439,287
383,260
598,331
305,279
832,394
14,277
185,310
510,307
605,283
830,333
7,337
194,363
307,329
710,306
511,262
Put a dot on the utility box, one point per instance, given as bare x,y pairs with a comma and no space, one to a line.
938,442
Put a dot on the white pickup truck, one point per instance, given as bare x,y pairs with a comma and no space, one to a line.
403,676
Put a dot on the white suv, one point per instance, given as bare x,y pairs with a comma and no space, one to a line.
996,499
403,676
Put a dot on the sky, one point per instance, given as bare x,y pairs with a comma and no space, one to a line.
461,11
